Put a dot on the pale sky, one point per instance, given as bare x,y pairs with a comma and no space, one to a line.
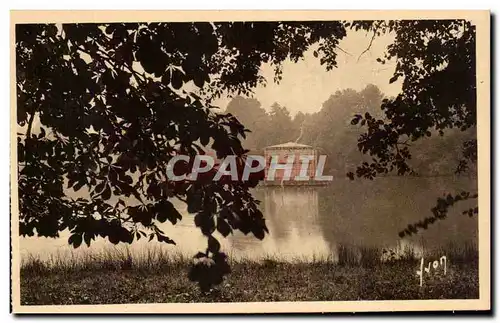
307,84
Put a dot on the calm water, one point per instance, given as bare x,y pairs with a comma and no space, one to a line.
307,223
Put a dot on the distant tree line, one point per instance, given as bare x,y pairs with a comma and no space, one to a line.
333,133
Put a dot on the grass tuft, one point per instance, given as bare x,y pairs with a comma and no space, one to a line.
354,273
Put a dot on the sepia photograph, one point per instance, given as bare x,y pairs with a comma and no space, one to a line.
250,162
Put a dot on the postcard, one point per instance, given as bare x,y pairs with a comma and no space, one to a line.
250,161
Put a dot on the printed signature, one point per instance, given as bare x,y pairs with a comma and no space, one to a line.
435,266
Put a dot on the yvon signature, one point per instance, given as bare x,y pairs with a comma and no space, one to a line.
436,266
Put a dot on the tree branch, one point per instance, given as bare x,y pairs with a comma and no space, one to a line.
369,45
343,51
30,124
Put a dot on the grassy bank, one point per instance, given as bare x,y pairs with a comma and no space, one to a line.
156,277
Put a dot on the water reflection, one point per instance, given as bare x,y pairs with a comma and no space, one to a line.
292,216
308,223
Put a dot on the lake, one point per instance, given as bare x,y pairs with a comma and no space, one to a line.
311,222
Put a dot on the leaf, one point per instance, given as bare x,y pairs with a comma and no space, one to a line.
42,133
71,182
199,78
223,227
176,79
75,240
79,185
100,188
204,139
213,245
165,239
258,232
194,202
200,255
161,217
114,238
106,194
205,221
87,237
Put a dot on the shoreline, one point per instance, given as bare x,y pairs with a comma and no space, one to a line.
164,280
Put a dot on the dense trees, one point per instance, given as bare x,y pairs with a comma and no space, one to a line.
330,130
115,102
266,128
437,63
250,113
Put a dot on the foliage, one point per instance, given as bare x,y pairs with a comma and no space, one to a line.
102,108
436,60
